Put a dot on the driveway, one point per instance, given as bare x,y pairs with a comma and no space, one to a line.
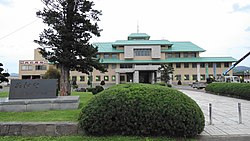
225,115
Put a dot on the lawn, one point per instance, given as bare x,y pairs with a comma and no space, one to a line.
66,115
53,115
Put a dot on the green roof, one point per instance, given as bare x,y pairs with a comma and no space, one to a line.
106,47
141,42
138,36
184,47
172,60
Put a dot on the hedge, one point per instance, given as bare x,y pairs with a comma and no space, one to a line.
238,90
142,109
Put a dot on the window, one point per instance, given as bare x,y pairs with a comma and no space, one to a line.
106,78
178,65
210,65
82,78
169,55
177,55
98,78
194,65
106,66
113,78
202,65
73,78
218,65
226,64
185,55
114,56
143,64
40,67
170,64
203,77
142,52
186,77
194,77
192,54
122,78
106,56
218,75
186,65
113,66
178,77
126,65
27,68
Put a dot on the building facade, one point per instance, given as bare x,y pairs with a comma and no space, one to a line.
137,60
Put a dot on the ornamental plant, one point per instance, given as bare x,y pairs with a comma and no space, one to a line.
142,109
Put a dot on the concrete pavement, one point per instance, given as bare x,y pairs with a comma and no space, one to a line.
225,116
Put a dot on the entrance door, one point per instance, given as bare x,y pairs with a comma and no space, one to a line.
144,77
129,77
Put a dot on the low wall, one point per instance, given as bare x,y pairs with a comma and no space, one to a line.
21,105
39,129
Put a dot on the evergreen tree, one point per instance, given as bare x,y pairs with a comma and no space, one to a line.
71,24
3,75
52,73
166,70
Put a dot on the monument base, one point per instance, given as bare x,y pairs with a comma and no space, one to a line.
22,105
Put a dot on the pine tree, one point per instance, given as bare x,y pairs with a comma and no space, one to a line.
166,70
71,24
3,75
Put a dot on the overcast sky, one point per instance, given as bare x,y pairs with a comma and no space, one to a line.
221,27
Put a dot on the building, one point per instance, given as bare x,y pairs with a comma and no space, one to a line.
137,60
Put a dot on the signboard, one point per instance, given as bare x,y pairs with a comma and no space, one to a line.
33,62
33,88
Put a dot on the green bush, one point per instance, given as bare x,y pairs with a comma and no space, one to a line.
239,90
90,89
169,85
141,109
97,89
179,82
160,83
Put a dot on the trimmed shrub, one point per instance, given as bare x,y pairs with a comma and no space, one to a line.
97,89
90,89
239,90
142,109
169,85
210,80
179,82
160,83
81,90
102,82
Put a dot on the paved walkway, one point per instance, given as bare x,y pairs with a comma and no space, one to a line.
225,116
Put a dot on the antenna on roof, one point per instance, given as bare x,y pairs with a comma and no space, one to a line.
137,26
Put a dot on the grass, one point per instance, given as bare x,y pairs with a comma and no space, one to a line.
53,115
66,115
4,94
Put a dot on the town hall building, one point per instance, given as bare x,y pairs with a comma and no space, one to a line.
136,60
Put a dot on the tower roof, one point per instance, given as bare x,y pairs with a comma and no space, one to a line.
138,36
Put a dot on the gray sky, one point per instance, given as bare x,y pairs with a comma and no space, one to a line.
221,27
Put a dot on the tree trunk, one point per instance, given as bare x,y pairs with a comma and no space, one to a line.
64,81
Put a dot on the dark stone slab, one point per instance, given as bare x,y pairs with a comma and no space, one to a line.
4,130
33,88
15,130
33,130
67,129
